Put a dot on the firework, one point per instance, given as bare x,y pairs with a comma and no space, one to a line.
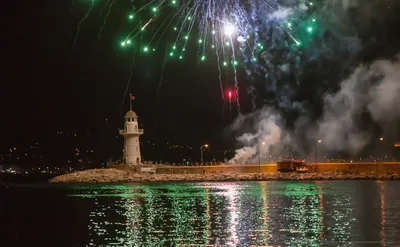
238,33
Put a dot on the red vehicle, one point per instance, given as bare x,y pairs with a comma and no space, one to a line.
292,166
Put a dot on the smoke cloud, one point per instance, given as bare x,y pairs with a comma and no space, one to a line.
372,90
267,135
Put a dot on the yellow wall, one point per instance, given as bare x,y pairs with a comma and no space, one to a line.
264,168
360,167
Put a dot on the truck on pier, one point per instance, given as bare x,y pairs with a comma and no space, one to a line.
292,166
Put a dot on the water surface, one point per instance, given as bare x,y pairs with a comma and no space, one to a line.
329,213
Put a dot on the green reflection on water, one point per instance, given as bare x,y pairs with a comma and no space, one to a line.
301,222
216,214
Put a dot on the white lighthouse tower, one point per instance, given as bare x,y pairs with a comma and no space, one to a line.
131,133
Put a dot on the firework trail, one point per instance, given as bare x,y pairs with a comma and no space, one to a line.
220,78
161,77
266,39
127,84
109,5
72,6
236,86
78,28
129,79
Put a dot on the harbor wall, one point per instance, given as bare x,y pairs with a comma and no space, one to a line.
350,167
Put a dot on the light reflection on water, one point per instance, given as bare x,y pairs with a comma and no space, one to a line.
243,214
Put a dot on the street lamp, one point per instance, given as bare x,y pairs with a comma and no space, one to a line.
381,152
259,157
315,151
201,152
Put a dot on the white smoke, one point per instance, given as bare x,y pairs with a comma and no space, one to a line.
337,129
267,137
282,13
385,97
345,4
373,89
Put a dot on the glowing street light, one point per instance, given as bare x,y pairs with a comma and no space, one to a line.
201,152
259,157
381,148
315,151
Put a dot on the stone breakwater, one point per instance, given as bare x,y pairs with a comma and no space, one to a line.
112,175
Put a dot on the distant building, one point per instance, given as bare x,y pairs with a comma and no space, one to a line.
131,133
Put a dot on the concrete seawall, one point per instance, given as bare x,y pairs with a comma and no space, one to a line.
350,167
112,175
265,172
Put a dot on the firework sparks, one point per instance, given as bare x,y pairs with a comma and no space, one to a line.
237,32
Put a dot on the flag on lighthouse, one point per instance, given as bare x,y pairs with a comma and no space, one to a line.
130,102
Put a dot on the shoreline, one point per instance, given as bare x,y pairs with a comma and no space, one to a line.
112,175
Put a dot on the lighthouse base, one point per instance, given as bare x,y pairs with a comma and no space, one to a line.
132,161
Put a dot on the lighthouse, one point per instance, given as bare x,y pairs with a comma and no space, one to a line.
131,133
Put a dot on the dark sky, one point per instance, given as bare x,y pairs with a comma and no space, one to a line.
47,86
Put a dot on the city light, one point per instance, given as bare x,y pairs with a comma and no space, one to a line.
78,155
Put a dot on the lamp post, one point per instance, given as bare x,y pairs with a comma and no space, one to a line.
315,151
381,150
201,153
259,157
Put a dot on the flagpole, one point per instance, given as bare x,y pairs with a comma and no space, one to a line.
130,102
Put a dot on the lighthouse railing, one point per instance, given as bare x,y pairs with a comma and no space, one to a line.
138,131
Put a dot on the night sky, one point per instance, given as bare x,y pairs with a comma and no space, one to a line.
49,87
